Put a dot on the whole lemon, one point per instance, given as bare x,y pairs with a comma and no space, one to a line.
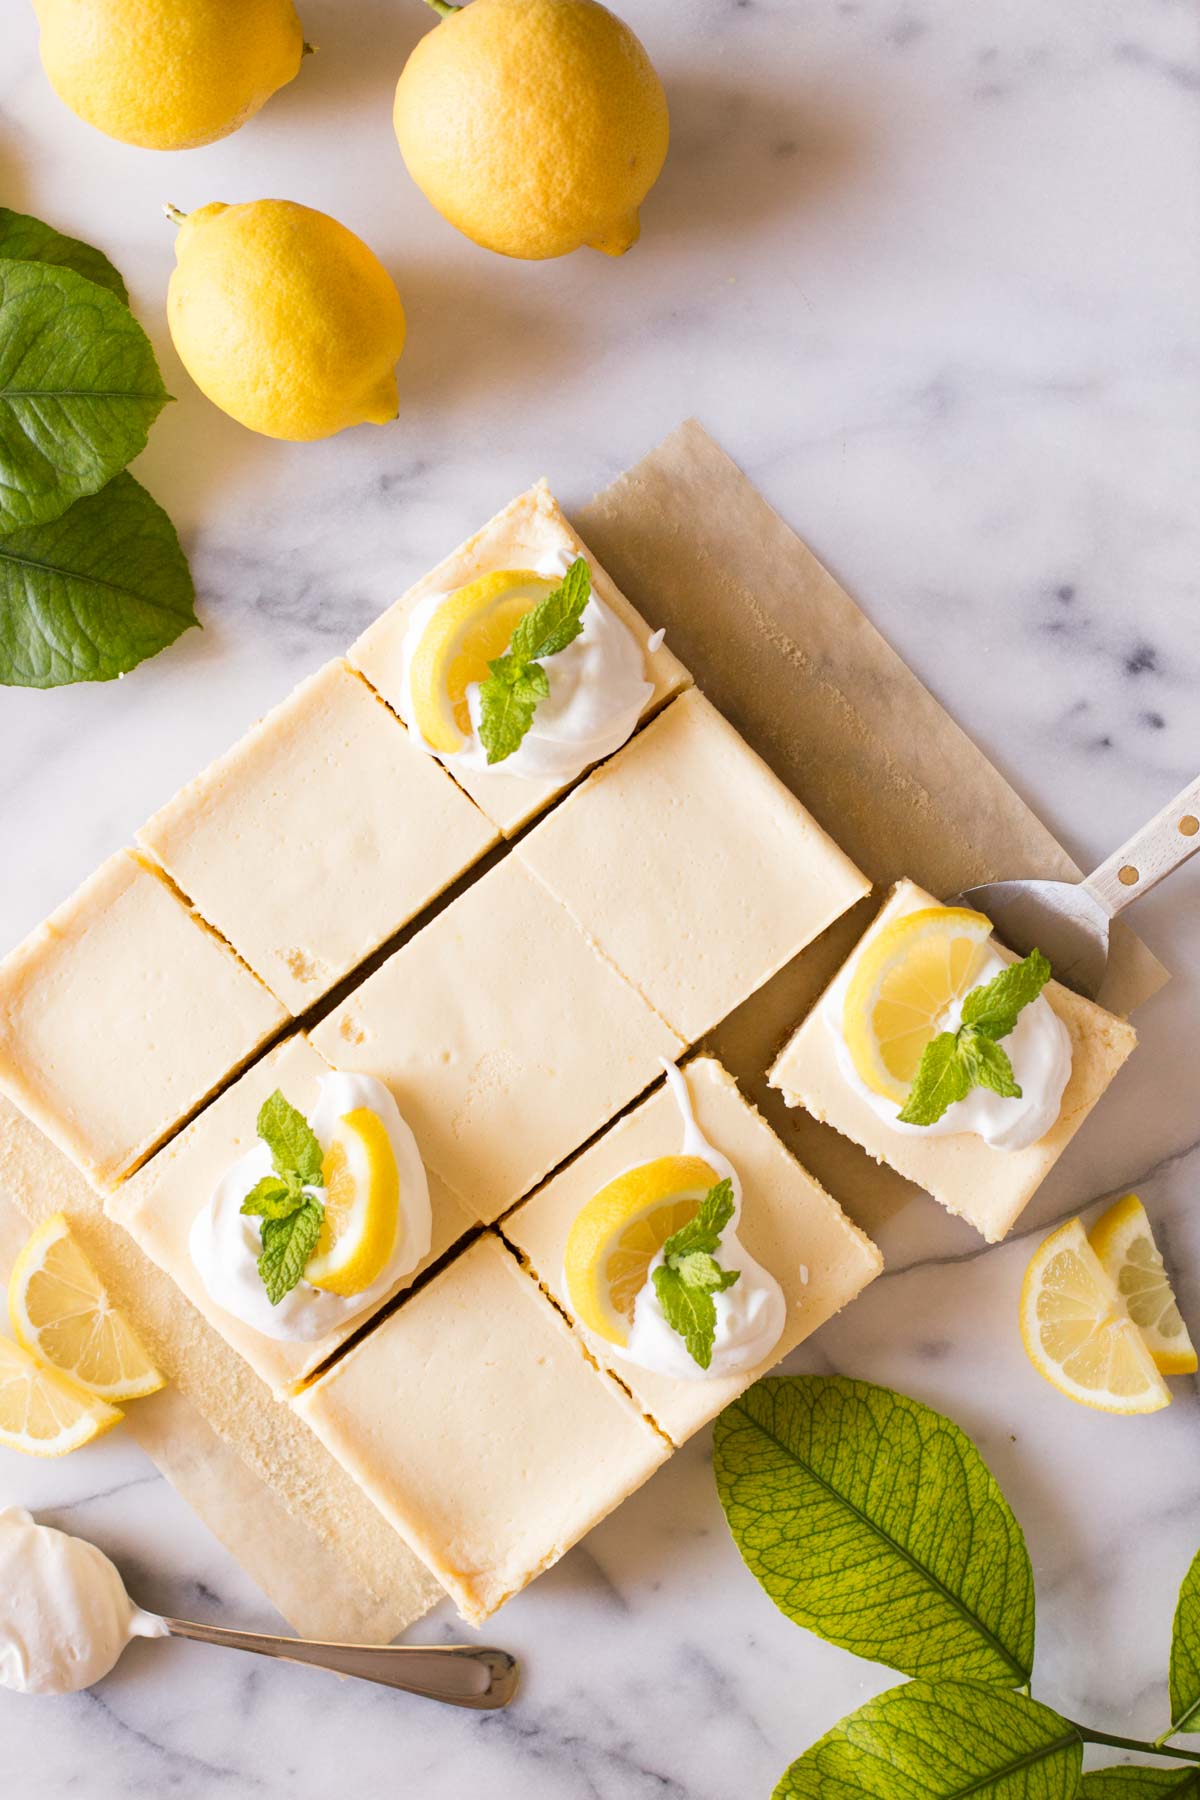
285,319
534,126
168,74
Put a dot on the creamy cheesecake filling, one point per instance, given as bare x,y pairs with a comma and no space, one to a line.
225,1243
1039,1049
598,689
64,1614
750,1315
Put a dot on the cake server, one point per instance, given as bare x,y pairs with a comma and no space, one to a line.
1069,921
457,1674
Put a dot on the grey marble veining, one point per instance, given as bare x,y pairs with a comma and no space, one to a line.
929,272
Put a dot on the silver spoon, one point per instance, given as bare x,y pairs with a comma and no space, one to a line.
458,1674
1069,921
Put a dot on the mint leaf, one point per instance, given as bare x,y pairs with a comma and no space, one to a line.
555,621
1133,1781
994,1008
954,1062
273,1198
290,1138
1185,1654
703,1230
517,683
926,1742
94,593
79,390
941,1079
688,1311
507,703
696,1269
287,1245
874,1522
26,239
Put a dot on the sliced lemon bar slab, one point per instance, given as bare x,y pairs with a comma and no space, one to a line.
319,835
476,1423
507,1039
692,867
789,1224
530,532
980,1182
120,1014
160,1204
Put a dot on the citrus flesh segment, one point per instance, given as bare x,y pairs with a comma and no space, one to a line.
42,1411
620,1231
1078,1333
362,1206
470,628
1124,1242
61,1313
904,983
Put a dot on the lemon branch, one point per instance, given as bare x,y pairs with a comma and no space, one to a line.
1125,1743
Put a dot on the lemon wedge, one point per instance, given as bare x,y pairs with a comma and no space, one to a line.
1077,1331
468,630
1124,1242
42,1411
619,1232
904,983
61,1314
362,1206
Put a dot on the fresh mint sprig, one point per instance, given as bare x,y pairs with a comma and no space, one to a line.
291,1216
690,1274
518,683
954,1062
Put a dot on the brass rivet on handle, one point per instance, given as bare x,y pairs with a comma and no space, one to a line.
1128,875
1189,825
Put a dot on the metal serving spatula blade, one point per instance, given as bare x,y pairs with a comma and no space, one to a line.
1069,921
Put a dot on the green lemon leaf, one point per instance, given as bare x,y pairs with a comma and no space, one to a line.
294,1146
79,390
1132,1781
1185,1654
874,1522
943,1742
88,596
287,1245
995,1007
26,239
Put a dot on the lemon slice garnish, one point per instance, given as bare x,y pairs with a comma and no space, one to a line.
468,630
362,1206
1078,1333
61,1314
1124,1242
42,1411
904,982
619,1232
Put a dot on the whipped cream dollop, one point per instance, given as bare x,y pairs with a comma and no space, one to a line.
225,1244
1038,1047
598,689
750,1314
64,1614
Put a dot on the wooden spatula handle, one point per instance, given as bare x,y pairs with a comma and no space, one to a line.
1167,841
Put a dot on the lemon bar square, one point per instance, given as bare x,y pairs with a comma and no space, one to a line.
318,836
505,1037
120,1014
986,1186
476,1423
158,1207
529,529
789,1224
691,866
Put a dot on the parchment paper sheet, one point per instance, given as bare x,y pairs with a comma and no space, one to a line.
785,653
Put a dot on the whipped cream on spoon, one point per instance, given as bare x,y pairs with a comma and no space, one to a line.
65,1619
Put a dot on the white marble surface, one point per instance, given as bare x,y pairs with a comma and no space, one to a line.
930,272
